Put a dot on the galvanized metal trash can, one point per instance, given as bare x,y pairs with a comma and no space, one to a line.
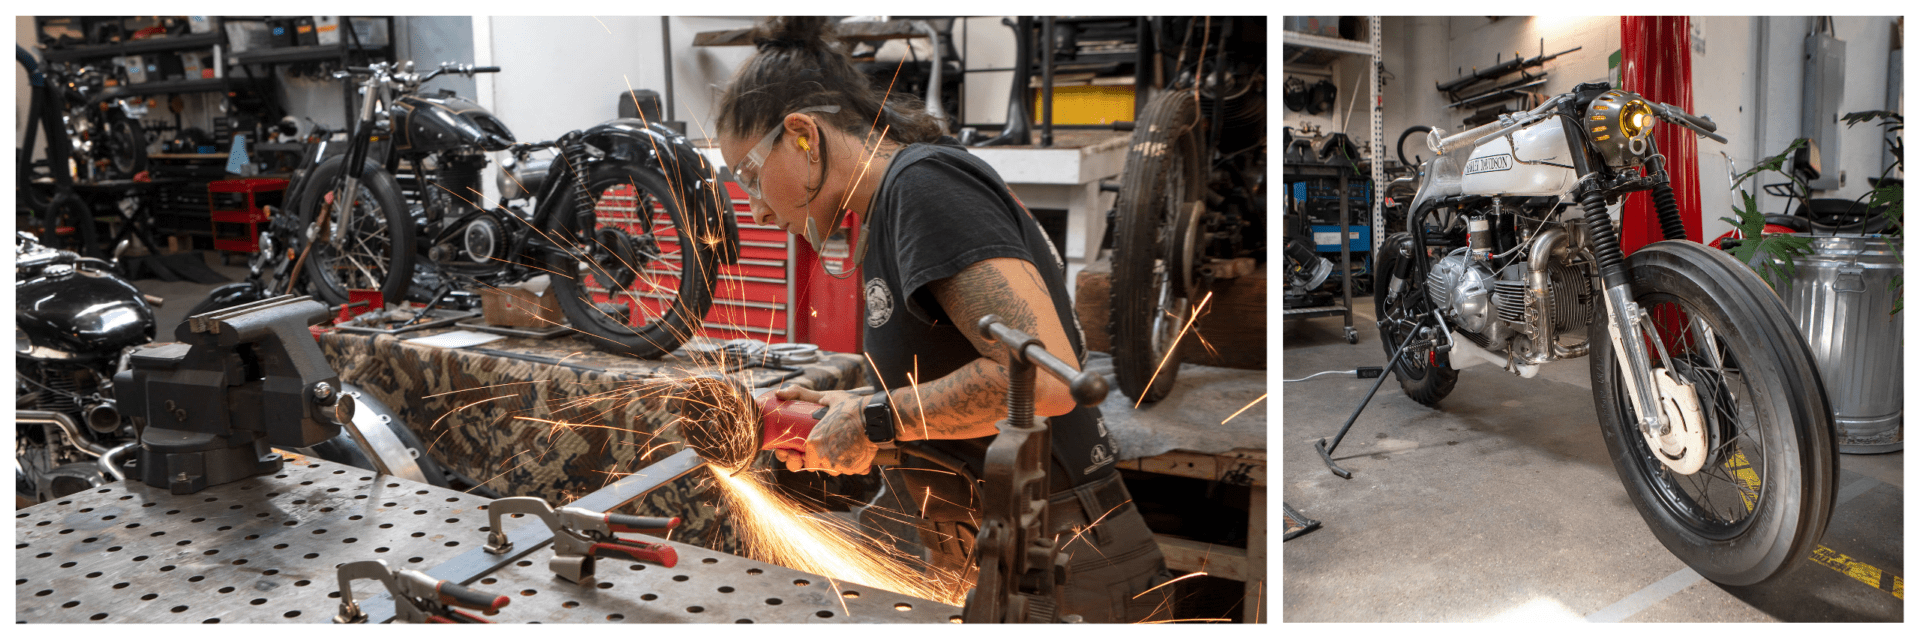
1842,300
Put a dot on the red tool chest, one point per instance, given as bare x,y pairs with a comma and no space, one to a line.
239,207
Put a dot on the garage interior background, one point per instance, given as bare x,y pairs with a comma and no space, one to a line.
1746,70
564,73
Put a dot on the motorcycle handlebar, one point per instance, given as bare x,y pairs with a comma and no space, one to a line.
1680,117
486,70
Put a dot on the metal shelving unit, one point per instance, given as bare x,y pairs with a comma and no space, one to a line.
1377,143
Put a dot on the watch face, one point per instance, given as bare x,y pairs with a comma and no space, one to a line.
878,417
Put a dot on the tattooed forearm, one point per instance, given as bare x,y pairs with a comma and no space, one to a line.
962,404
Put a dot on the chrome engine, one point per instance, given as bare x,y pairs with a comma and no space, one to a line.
1521,307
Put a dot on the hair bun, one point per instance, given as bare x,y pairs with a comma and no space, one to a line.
791,32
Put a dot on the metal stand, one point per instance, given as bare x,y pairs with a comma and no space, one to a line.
1325,449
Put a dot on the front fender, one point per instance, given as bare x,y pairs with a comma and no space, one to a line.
667,151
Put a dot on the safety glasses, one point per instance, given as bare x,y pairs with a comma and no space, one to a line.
758,155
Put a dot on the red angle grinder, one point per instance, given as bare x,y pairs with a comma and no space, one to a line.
728,424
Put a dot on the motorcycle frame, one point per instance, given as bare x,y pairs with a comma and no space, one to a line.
1624,317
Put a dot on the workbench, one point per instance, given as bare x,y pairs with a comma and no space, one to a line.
488,413
266,549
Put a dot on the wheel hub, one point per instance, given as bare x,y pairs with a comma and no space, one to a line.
1683,448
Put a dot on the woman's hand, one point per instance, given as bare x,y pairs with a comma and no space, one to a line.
838,443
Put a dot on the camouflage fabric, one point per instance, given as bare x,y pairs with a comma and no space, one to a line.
554,418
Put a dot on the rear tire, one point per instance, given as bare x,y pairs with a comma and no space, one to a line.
1770,427
666,296
1152,257
381,237
1425,376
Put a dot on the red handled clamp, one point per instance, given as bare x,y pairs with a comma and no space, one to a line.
581,535
417,597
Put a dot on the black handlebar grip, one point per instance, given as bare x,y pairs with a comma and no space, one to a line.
486,70
1697,121
451,593
640,524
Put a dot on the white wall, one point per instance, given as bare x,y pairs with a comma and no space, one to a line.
1423,51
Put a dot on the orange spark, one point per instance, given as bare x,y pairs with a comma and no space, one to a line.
776,529
1175,347
1190,575
1245,408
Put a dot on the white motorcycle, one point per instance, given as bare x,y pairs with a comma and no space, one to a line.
1710,403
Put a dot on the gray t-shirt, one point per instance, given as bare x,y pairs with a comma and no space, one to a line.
939,210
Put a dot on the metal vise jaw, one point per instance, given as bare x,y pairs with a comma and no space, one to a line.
581,535
237,382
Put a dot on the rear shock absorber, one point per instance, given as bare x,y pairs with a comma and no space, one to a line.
574,152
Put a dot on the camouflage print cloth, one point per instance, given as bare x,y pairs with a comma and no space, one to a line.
555,418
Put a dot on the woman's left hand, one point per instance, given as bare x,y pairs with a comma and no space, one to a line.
839,442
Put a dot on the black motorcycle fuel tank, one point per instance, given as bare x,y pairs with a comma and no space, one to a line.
427,124
78,314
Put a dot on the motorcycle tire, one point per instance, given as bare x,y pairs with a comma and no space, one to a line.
1153,239
1770,434
1400,147
382,226
674,281
1425,376
126,146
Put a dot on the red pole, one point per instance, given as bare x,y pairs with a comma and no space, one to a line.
1657,63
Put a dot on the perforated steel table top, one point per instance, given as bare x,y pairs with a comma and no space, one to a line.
266,550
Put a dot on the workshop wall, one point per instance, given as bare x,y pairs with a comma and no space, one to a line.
1736,59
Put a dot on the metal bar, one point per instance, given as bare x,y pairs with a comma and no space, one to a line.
666,60
1046,83
1341,45
476,562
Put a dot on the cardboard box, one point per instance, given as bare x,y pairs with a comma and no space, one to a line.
517,308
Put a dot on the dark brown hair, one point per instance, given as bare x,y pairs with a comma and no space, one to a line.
799,65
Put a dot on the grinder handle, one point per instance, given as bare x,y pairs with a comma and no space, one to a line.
785,424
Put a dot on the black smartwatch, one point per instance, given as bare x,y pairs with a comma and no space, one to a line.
878,416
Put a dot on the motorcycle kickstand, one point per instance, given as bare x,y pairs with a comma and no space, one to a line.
1326,450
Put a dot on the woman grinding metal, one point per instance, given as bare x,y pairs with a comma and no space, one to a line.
944,242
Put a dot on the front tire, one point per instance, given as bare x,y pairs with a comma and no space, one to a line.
1425,376
379,245
638,255
1767,490
1154,251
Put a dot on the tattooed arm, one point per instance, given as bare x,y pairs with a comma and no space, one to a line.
966,403
962,404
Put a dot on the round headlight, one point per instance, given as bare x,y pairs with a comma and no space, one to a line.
1617,124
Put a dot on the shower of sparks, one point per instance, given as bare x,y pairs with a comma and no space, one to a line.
1245,408
1175,347
603,24
776,529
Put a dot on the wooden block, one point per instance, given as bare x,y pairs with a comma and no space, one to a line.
1091,301
1235,324
1187,556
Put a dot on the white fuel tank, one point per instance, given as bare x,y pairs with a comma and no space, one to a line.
1542,166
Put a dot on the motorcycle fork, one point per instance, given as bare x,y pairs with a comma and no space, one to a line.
356,158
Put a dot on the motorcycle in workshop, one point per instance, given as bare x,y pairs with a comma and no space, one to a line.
76,323
614,222
1708,398
103,140
1192,196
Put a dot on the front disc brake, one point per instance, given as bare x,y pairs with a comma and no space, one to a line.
1684,447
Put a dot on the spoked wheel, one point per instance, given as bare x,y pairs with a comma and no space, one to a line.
639,282
124,146
377,252
1745,480
1156,246
1424,375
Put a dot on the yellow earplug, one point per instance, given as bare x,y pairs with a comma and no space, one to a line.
803,144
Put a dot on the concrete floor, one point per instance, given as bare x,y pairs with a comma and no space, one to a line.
1504,506
181,296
